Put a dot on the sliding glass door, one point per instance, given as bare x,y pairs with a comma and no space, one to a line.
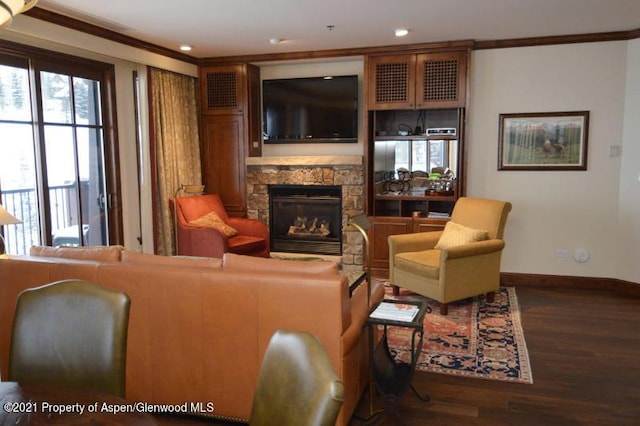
18,177
73,154
54,147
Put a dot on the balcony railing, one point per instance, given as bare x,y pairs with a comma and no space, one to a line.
23,204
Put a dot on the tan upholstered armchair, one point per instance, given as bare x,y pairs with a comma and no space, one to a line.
460,262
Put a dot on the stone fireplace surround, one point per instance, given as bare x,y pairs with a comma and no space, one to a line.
346,171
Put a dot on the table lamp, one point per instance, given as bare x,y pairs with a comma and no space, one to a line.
361,223
183,189
6,219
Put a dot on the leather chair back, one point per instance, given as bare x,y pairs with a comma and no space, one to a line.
71,333
297,385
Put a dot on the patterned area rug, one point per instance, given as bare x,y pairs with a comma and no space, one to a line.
476,339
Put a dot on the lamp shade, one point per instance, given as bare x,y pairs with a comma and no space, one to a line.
6,218
192,189
11,8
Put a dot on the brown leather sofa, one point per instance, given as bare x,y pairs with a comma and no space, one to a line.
198,328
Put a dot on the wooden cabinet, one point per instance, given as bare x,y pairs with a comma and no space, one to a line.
416,122
382,227
230,130
223,155
428,80
434,141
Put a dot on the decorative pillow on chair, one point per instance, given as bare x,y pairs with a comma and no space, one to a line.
456,235
212,220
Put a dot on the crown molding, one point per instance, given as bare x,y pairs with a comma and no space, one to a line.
68,22
562,39
75,24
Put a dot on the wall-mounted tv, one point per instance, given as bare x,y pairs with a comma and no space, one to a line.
310,109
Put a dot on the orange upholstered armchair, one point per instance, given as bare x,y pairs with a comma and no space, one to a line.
204,229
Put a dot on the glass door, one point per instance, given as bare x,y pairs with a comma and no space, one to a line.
18,177
73,153
57,159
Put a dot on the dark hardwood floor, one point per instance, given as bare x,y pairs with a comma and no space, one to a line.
584,348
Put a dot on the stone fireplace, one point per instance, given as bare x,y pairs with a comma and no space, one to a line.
345,172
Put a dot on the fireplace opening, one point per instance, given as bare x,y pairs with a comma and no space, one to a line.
306,219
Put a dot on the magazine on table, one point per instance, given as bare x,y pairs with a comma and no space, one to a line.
403,312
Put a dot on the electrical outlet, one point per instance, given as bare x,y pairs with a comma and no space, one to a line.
562,253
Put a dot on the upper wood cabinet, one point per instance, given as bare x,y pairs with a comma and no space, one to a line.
230,96
223,89
417,81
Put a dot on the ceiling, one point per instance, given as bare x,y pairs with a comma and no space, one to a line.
244,27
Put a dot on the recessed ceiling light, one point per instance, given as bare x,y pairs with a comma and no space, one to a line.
401,32
186,48
276,40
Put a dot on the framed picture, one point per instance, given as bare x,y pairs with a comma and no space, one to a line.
543,141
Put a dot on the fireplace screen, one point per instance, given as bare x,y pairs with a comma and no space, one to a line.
305,219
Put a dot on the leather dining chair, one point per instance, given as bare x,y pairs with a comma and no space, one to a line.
297,385
71,333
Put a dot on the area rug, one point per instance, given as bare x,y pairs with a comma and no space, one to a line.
476,339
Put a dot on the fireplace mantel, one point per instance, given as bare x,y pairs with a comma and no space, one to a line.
307,160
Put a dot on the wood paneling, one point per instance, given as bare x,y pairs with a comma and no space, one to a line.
381,228
223,160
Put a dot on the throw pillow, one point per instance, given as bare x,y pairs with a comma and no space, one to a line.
455,235
212,220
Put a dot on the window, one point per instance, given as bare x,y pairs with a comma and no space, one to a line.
422,154
56,147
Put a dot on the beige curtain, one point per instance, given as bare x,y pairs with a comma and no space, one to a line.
174,115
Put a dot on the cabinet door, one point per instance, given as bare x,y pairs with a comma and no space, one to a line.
391,82
223,160
428,225
441,80
223,89
380,230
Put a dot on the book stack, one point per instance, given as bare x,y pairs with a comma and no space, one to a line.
402,312
443,215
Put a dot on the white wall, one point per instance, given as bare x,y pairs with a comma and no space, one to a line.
628,266
559,209
349,66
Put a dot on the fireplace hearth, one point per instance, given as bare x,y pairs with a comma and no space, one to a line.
306,219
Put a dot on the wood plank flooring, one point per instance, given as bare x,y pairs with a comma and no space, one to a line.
584,348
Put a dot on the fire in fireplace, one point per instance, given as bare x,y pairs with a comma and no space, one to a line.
306,219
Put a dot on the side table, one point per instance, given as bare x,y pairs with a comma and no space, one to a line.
355,279
393,378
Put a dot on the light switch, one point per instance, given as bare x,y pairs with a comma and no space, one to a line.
614,150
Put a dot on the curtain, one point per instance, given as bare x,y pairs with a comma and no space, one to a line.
175,146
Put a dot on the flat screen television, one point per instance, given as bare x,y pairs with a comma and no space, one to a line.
310,109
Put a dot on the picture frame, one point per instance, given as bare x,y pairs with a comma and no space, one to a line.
543,141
